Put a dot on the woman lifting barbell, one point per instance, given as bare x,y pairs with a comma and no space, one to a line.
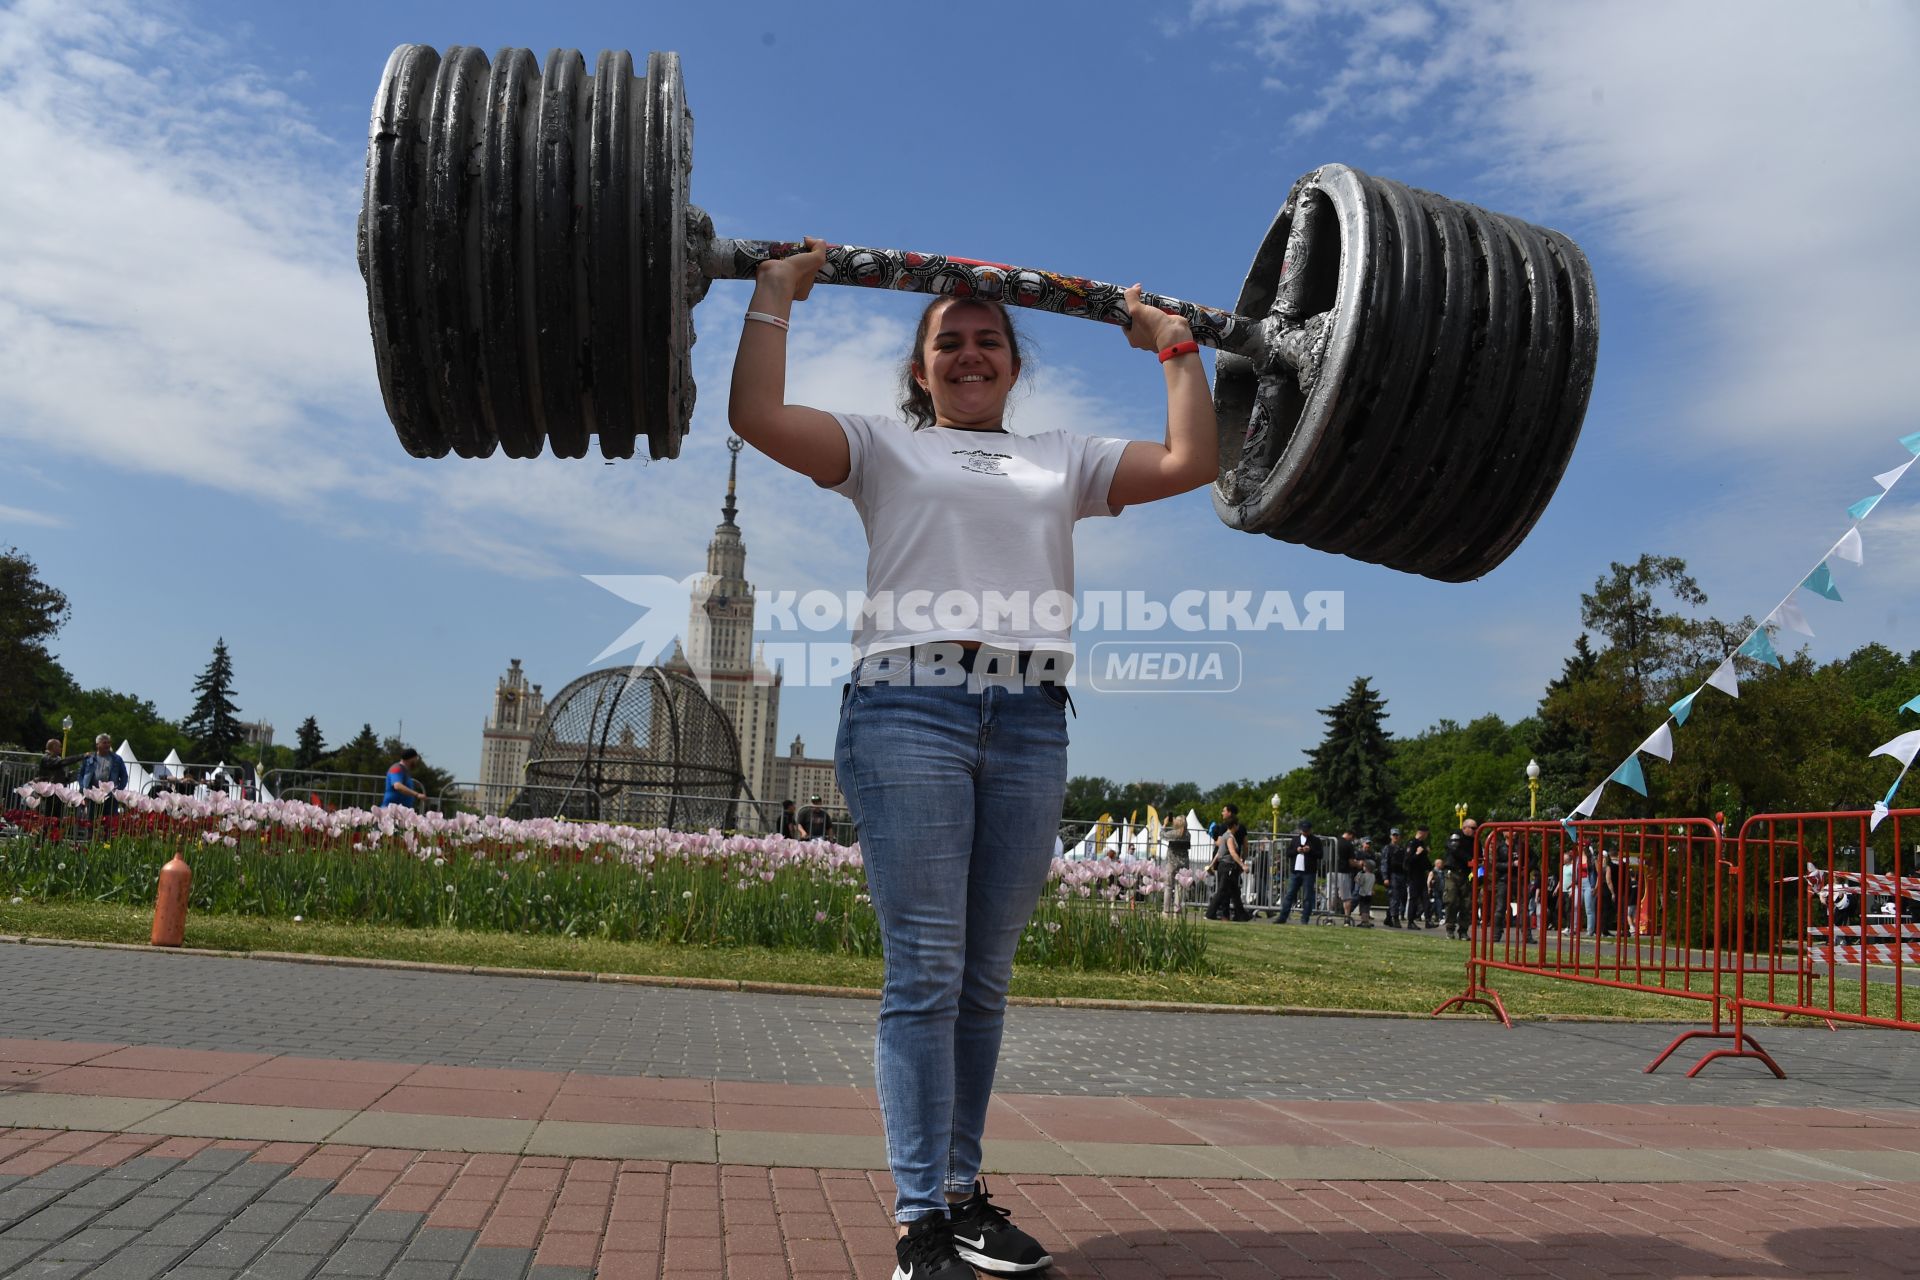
952,745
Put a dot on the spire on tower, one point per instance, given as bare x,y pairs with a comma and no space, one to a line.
734,445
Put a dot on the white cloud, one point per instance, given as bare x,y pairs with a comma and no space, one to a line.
1752,160
21,515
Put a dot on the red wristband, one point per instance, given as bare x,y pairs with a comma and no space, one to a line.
1187,348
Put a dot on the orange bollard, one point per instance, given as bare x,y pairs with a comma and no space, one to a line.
170,905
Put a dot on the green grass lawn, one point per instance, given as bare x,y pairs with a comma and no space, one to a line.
1254,964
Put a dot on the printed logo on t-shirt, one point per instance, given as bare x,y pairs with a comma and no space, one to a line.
980,460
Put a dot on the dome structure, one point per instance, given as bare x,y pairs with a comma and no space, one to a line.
642,746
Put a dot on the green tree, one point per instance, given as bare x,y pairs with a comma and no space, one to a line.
1563,744
31,680
211,724
1351,774
362,754
310,746
124,717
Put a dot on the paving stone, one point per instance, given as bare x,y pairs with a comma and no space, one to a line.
229,1248
24,1202
216,1159
144,1168
182,1183
268,1218
142,1211
102,1193
488,1263
187,1229
560,1273
14,1252
420,1269
387,1224
137,1262
313,1236
55,1222
64,1176
441,1244
253,1175
43,1269
275,1264
361,1258
302,1191
91,1245
340,1208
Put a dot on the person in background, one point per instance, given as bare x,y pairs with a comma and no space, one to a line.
52,768
788,825
401,788
1302,856
815,822
1229,865
104,766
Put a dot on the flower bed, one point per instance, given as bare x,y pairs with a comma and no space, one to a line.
289,860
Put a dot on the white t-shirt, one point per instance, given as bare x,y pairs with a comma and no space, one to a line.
970,533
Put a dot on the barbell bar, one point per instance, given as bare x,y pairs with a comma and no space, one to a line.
1402,379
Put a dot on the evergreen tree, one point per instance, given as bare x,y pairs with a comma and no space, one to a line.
211,723
310,746
1564,743
1350,766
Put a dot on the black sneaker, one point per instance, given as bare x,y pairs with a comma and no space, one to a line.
926,1252
984,1235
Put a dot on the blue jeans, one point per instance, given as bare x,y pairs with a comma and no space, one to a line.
1297,882
956,791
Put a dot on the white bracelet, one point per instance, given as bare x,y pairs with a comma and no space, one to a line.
764,318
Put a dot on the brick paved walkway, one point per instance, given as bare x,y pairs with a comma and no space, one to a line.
178,1116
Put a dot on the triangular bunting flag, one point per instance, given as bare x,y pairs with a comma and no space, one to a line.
1820,582
1902,748
1587,806
1887,479
1629,774
1759,647
1566,825
1879,815
1911,706
1684,708
1848,548
1912,442
1792,617
1660,743
1724,679
1859,509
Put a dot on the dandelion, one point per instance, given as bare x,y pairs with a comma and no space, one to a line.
439,862
449,888
546,897
60,866
296,919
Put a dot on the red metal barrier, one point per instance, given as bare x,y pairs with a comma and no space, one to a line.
1827,918
1634,905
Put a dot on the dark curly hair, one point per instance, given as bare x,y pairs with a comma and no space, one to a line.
915,403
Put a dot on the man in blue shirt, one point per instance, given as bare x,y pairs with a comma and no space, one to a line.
104,766
401,789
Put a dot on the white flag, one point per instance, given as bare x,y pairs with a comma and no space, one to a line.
1879,815
1793,617
1887,479
1902,748
1660,743
1725,680
1848,548
1587,806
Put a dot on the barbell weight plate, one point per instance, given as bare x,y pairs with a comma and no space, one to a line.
559,250
616,281
1576,303
667,405
508,332
390,233
449,328
1449,288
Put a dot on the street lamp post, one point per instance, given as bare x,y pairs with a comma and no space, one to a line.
1273,802
1460,814
1533,789
66,727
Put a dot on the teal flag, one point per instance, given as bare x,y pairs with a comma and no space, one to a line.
1911,706
1859,509
1629,774
1912,442
1759,647
1820,582
1684,708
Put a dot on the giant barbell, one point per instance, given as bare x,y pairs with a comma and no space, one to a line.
1401,381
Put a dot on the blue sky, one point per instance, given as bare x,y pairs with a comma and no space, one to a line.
195,445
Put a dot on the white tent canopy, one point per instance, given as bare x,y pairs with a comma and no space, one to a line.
136,776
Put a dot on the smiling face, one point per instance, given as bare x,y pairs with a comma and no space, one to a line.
966,365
